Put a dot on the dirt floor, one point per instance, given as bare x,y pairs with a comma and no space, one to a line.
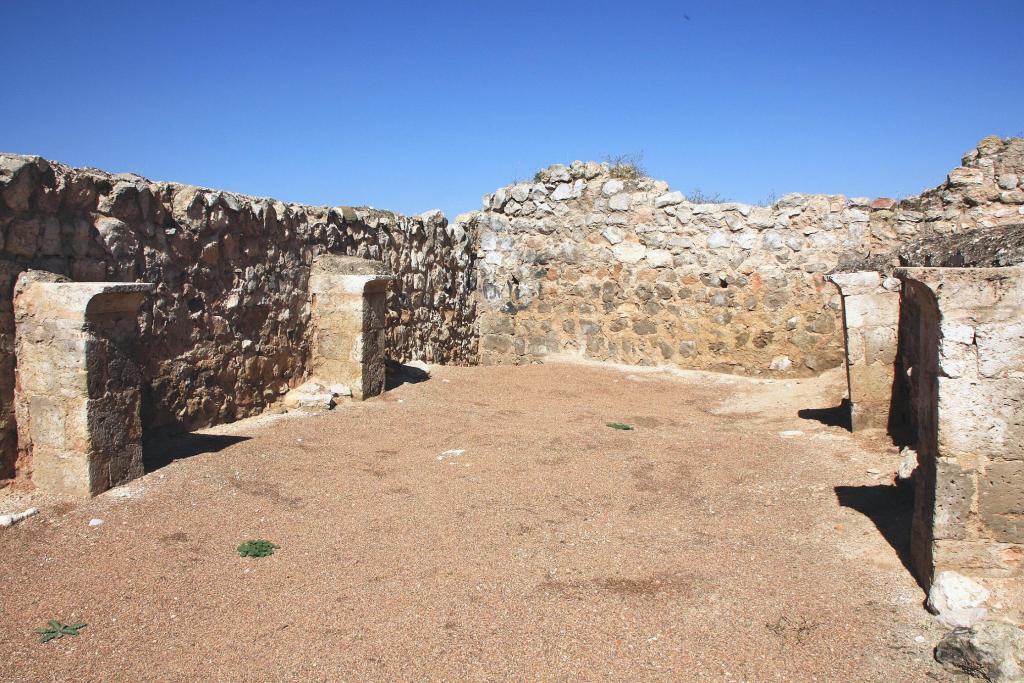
487,525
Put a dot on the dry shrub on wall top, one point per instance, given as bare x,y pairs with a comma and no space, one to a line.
626,166
698,196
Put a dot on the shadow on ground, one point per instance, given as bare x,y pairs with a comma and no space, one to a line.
398,374
890,507
160,452
839,416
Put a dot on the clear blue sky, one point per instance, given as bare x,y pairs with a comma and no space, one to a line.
420,105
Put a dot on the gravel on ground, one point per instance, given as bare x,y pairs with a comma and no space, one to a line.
488,525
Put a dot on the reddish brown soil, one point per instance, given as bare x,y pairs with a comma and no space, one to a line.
701,546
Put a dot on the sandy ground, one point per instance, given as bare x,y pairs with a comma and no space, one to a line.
703,546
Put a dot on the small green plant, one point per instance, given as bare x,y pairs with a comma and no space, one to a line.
257,548
626,166
620,425
58,630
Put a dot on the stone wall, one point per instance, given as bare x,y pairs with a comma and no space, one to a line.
590,260
225,333
962,350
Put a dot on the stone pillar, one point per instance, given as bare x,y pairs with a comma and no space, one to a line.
348,316
871,308
963,330
77,382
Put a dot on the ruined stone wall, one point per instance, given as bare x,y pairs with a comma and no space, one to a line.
962,350
225,333
621,269
871,307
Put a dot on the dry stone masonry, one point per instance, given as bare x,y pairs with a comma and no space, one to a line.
589,261
253,300
226,330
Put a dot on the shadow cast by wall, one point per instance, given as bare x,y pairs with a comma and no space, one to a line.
160,451
837,416
891,508
398,374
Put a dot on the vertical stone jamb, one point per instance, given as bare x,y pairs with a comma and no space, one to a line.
871,308
77,382
348,319
965,352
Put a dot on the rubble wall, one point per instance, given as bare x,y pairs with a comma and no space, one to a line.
225,333
590,260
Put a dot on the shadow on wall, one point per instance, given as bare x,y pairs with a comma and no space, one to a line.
159,452
891,508
902,423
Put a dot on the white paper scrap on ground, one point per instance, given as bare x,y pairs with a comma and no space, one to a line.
451,453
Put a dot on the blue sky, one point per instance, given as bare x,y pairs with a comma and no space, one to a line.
413,106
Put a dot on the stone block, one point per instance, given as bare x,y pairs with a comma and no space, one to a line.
981,417
79,391
348,307
1001,500
1000,348
953,499
880,347
957,359
978,558
871,310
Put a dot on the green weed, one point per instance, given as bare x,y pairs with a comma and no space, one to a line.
58,630
257,548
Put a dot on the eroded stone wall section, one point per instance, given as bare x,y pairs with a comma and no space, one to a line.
349,316
622,269
78,388
871,305
226,330
965,355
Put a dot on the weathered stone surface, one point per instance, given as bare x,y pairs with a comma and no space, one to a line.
619,202
966,176
78,389
612,187
957,600
311,396
669,199
992,651
1001,500
629,252
907,464
561,192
